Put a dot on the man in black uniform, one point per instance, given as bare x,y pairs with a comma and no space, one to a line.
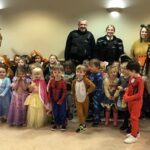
80,44
109,47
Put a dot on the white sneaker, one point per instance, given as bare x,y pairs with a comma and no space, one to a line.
128,135
131,139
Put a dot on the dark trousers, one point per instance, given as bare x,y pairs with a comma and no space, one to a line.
59,112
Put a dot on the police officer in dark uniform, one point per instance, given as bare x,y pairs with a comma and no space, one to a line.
109,47
80,44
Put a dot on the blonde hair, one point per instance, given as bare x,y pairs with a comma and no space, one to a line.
81,67
37,70
58,67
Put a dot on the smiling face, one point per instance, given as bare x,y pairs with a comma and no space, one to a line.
80,74
82,25
144,34
110,30
2,73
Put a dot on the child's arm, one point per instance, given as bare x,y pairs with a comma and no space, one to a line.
106,87
24,84
91,86
136,96
14,84
8,83
73,88
31,86
59,102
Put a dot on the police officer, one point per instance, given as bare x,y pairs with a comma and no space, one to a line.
109,47
80,44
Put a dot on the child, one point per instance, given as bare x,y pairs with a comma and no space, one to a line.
57,89
17,111
111,93
23,63
53,60
5,93
15,63
123,82
96,96
37,101
81,88
68,77
133,97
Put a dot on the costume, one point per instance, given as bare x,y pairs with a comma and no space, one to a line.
121,105
96,97
138,51
17,110
5,96
79,46
133,96
110,90
57,90
69,98
109,50
81,90
36,102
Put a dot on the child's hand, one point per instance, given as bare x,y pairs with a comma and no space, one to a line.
120,88
59,103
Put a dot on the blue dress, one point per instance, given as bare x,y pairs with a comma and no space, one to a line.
5,96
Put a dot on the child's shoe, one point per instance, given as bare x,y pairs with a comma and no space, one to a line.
81,128
123,127
63,128
128,130
138,135
131,139
95,124
54,127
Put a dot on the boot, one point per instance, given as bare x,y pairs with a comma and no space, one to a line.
107,116
115,116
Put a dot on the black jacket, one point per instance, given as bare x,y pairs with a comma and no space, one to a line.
79,45
109,50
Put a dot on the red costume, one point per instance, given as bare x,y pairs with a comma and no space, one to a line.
133,96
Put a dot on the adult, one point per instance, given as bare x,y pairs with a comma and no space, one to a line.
80,44
1,38
139,47
109,47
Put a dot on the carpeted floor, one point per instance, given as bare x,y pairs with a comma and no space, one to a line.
100,138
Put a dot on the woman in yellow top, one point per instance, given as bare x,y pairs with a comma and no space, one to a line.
139,47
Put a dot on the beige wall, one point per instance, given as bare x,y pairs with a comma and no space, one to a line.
46,31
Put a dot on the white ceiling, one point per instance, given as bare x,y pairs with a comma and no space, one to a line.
69,7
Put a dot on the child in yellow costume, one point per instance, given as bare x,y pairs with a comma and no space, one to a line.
37,101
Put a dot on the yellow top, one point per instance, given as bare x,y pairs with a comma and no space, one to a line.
139,51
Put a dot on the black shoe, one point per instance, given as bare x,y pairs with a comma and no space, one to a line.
70,116
95,124
54,127
89,120
128,130
3,120
123,127
63,128
81,128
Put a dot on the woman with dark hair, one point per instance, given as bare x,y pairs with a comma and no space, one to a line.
139,47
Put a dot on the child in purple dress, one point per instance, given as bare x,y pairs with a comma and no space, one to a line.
17,111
